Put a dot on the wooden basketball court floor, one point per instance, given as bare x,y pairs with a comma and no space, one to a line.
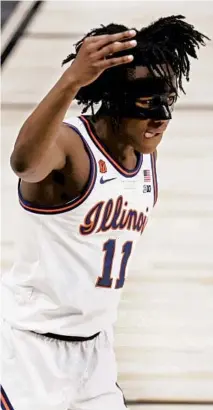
164,333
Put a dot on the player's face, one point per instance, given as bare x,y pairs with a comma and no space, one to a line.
145,134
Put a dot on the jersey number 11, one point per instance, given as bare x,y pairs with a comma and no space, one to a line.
105,281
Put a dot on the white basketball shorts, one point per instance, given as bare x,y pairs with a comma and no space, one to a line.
40,373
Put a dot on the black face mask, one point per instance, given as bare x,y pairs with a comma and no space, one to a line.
126,106
158,109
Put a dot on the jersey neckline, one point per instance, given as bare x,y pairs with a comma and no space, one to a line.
102,147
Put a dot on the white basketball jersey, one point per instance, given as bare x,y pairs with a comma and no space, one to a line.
73,259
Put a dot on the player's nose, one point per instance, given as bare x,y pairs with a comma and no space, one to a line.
158,123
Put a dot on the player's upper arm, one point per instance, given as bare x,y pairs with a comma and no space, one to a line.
54,158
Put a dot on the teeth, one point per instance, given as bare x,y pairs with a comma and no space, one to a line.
148,135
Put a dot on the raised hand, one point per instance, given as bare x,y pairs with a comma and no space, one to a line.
96,55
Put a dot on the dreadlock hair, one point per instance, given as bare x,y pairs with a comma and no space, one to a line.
168,42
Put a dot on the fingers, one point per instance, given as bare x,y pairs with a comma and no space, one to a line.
97,48
112,62
110,38
114,48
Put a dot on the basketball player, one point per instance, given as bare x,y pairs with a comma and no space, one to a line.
86,188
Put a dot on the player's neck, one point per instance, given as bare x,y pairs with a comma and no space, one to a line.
114,141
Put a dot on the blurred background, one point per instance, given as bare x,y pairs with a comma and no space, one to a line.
164,333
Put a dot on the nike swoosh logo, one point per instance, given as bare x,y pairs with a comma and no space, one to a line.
103,181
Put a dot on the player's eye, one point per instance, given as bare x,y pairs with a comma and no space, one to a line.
143,103
147,102
171,99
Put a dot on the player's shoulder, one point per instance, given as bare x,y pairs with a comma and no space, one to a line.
69,135
73,123
70,126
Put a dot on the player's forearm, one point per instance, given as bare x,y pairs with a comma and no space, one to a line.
42,127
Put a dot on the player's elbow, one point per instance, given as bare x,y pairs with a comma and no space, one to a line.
18,164
22,168
23,171
28,170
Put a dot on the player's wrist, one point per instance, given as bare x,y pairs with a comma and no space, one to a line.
70,81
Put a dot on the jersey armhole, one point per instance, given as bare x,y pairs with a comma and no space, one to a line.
72,204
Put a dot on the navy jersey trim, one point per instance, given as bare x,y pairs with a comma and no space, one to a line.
104,150
125,402
154,177
74,203
5,402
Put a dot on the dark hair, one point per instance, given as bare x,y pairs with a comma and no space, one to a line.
169,41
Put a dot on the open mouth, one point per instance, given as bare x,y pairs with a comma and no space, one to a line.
149,134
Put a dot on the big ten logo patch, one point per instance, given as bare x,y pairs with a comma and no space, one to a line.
102,166
147,188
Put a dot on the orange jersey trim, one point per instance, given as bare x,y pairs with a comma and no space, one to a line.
5,402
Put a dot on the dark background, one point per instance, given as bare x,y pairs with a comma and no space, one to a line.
7,8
